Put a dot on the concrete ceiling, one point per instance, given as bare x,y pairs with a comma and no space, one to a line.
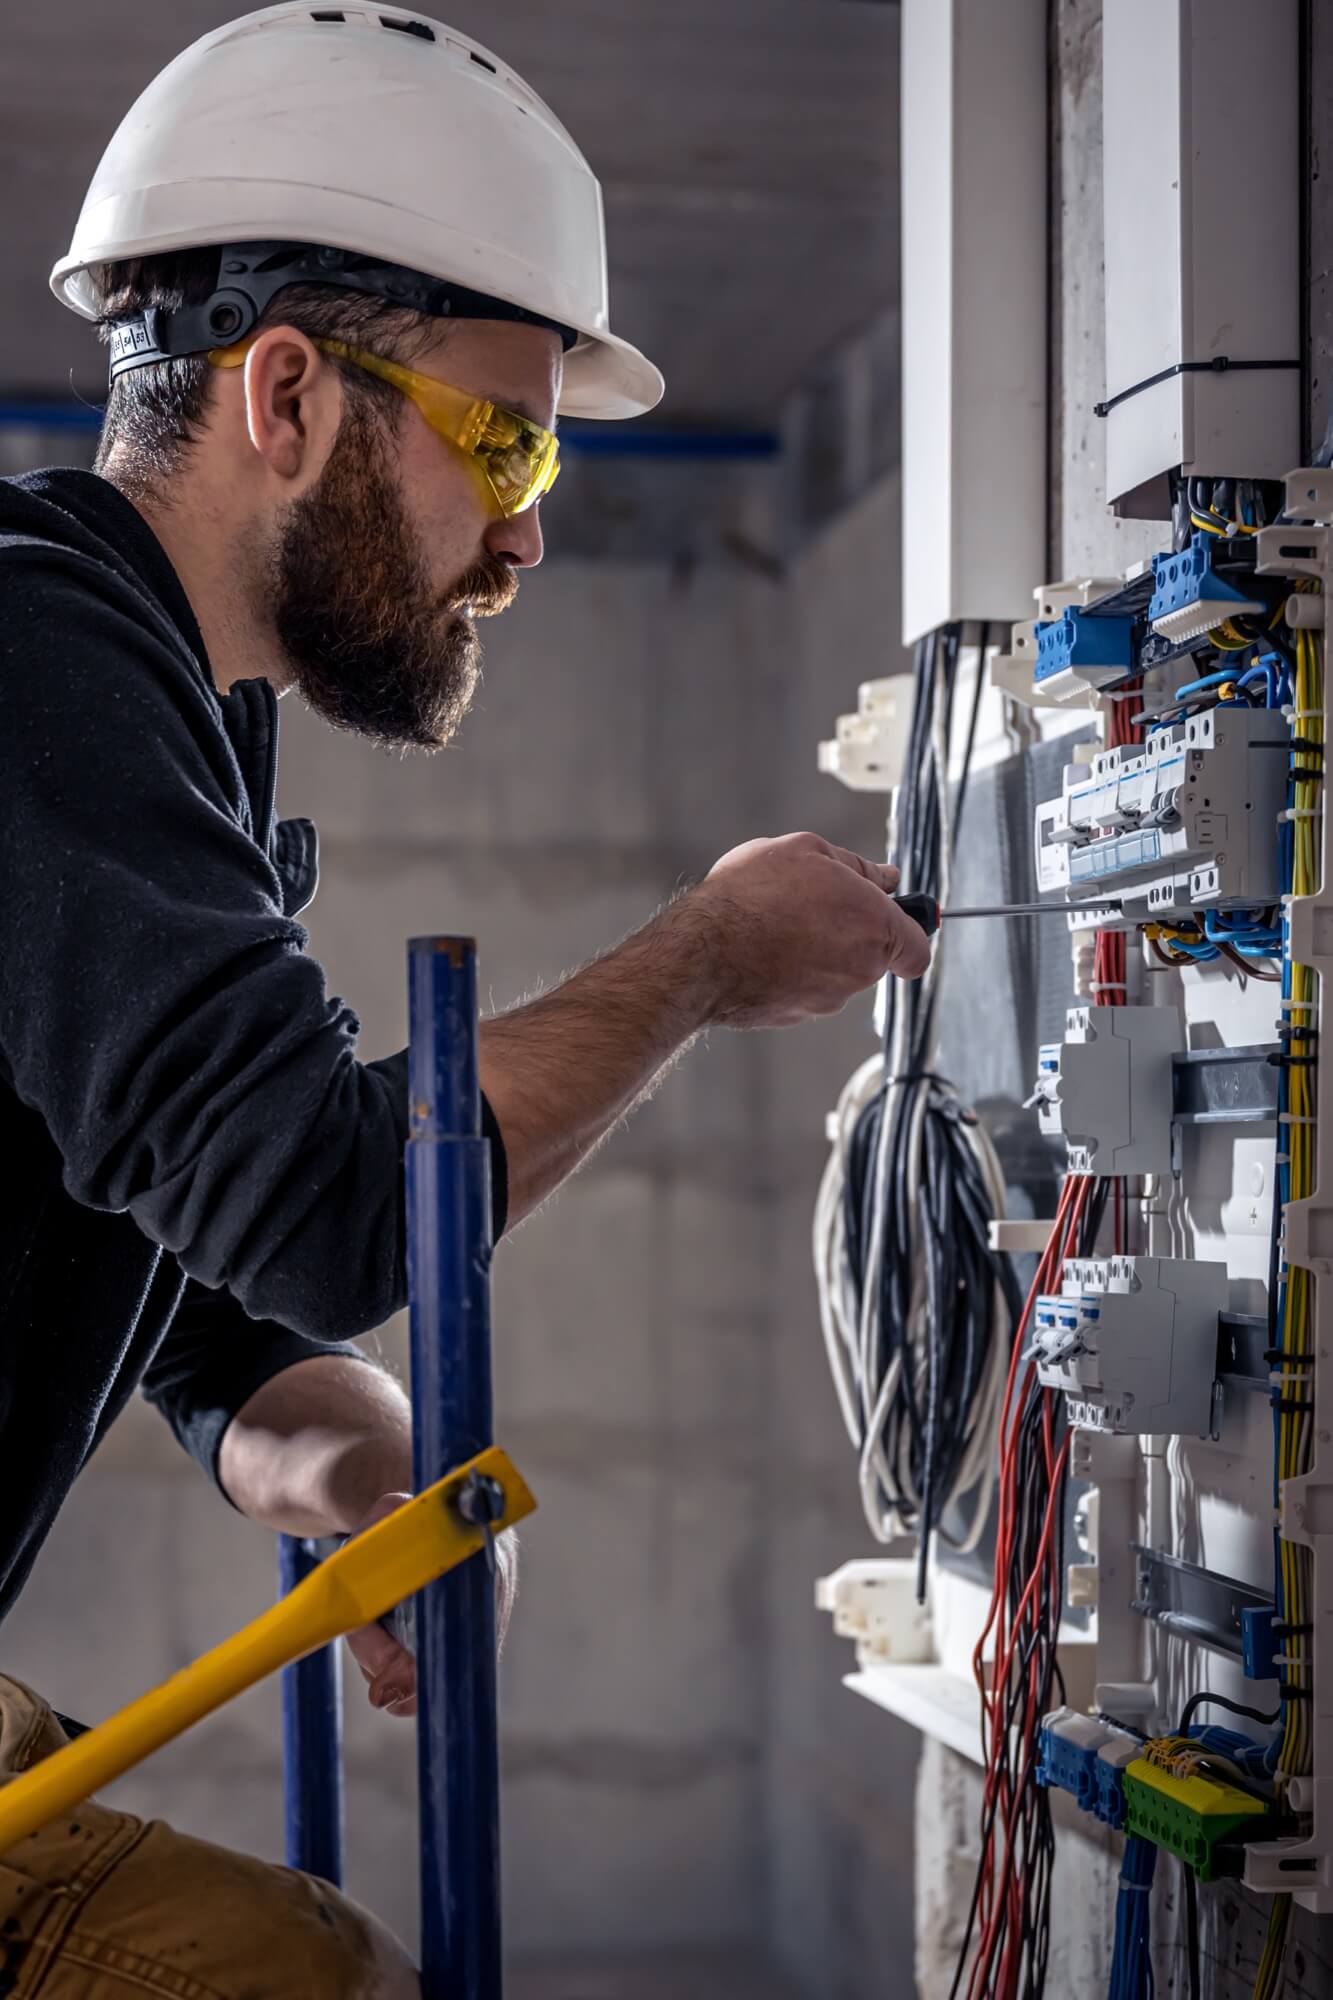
747,149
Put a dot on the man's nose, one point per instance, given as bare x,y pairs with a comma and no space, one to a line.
517,540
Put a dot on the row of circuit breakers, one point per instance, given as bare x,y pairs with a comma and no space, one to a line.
1182,823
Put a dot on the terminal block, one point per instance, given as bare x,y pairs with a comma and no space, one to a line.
1186,821
1079,650
1106,1089
1132,1343
1189,597
874,1602
1084,1757
1189,1816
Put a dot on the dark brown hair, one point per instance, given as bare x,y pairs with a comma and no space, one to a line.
155,414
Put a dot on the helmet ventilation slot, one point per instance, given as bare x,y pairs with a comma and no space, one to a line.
417,28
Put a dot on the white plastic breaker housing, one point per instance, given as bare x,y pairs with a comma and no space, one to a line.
874,1602
1187,820
1132,1343
1106,1088
866,754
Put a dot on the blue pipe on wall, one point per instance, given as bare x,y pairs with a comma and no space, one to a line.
610,442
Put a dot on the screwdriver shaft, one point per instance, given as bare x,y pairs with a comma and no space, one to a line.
1031,910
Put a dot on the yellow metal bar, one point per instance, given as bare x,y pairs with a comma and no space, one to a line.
372,1573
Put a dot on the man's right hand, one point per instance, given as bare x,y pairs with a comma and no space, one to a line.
780,931
794,928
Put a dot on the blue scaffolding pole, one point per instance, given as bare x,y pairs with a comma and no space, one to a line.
448,1263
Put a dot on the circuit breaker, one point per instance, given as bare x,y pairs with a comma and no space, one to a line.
1106,1089
1132,1342
1183,821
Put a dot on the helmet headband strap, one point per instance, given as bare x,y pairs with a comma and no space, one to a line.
250,276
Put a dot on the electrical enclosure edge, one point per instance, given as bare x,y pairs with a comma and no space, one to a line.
974,283
1183,281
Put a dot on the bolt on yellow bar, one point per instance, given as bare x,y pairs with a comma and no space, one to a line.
366,1578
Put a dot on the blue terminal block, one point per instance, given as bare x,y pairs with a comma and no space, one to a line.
1189,597
1258,1646
1068,1766
1086,1757
1092,651
1109,1804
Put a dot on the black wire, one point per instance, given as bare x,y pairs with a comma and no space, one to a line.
970,744
1093,1215
939,1238
1197,1701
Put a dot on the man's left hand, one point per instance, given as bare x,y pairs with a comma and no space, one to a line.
389,1670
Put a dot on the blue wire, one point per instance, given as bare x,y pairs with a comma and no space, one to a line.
1268,670
1131,1963
1243,931
1208,681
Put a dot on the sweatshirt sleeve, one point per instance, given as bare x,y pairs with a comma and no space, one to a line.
213,1359
156,1006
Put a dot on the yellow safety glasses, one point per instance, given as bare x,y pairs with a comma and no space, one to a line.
517,459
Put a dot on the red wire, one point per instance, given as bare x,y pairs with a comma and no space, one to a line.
1008,1793
1000,1896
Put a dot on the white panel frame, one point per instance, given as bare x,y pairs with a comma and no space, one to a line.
974,194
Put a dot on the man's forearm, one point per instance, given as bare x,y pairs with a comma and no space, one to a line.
561,1071
316,1446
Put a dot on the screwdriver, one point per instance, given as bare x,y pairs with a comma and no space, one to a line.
924,910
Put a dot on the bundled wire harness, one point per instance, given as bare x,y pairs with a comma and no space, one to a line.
1009,1918
1007,1941
916,1309
1131,1964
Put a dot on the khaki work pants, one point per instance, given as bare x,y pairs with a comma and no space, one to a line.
101,1906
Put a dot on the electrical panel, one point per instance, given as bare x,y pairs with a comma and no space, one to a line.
1162,1488
1106,1089
1202,315
1131,1342
1176,1336
1184,821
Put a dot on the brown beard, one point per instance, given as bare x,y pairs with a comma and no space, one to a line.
371,646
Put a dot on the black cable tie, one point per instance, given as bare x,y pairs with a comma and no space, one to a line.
1285,1631
1279,1060
1219,365
1293,1403
1287,1354
1296,1033
1288,1691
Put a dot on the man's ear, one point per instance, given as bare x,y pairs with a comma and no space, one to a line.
293,404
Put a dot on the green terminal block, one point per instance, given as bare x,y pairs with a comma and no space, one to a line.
1188,1816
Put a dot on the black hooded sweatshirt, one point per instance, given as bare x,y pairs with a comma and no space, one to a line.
202,1184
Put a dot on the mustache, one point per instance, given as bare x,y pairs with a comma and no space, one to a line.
488,588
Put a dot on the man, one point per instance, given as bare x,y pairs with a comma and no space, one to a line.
349,268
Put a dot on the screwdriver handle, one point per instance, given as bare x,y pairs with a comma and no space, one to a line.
923,910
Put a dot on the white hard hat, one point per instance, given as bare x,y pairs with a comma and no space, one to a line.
372,131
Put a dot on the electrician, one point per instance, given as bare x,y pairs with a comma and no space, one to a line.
348,268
